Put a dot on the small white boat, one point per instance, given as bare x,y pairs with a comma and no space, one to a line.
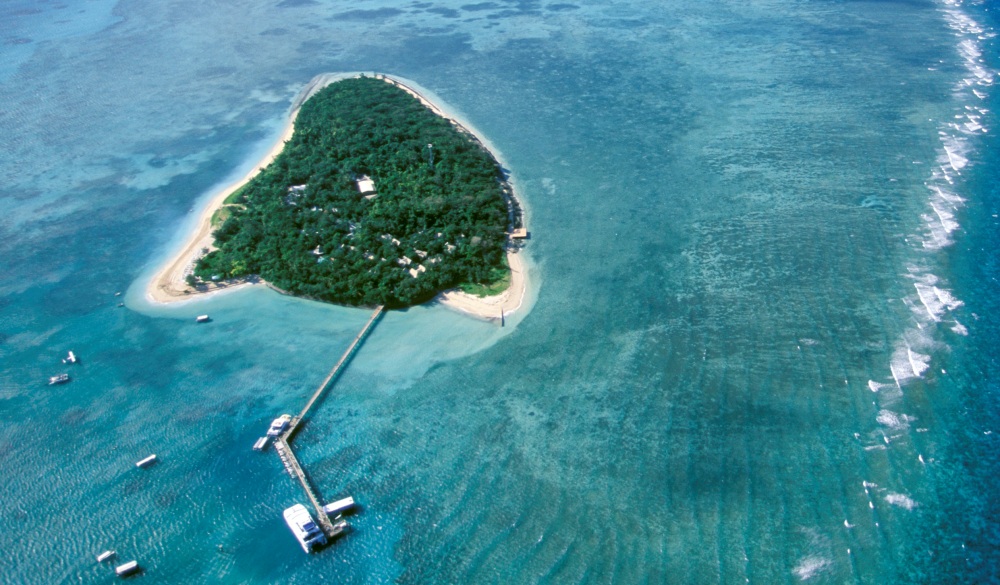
334,508
127,569
202,319
60,379
279,425
261,444
340,527
70,359
147,461
105,556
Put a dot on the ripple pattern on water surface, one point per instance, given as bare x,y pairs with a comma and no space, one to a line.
756,358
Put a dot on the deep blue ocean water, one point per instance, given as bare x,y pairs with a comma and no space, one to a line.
760,345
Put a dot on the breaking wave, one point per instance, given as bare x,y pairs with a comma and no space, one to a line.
933,304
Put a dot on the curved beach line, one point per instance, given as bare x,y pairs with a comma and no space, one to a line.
169,284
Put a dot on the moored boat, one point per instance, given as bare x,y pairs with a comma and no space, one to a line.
147,461
127,569
338,507
105,556
70,359
60,379
261,444
306,531
279,425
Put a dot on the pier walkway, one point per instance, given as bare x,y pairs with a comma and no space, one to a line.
294,469
284,450
337,369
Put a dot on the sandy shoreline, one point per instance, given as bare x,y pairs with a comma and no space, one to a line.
168,285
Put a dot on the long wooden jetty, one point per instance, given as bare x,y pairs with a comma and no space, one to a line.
284,450
334,373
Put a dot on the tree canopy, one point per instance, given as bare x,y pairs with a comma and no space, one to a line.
437,218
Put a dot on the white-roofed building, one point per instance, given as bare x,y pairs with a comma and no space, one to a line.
366,186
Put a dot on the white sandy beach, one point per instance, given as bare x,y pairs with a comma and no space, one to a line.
494,307
168,285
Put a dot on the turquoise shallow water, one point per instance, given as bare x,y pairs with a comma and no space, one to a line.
760,347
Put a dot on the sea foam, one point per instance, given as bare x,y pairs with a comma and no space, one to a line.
811,566
901,501
907,364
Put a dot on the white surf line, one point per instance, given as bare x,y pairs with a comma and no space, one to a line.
946,218
920,294
952,158
917,366
892,368
956,161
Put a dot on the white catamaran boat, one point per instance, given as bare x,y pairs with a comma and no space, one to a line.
70,359
306,531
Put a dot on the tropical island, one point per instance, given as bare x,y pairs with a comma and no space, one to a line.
376,198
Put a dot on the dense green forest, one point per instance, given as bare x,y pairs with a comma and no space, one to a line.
437,219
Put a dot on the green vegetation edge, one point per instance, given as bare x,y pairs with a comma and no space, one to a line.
438,218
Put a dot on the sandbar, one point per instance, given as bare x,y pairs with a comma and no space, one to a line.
169,284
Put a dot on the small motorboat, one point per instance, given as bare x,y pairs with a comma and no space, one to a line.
127,569
146,462
108,554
